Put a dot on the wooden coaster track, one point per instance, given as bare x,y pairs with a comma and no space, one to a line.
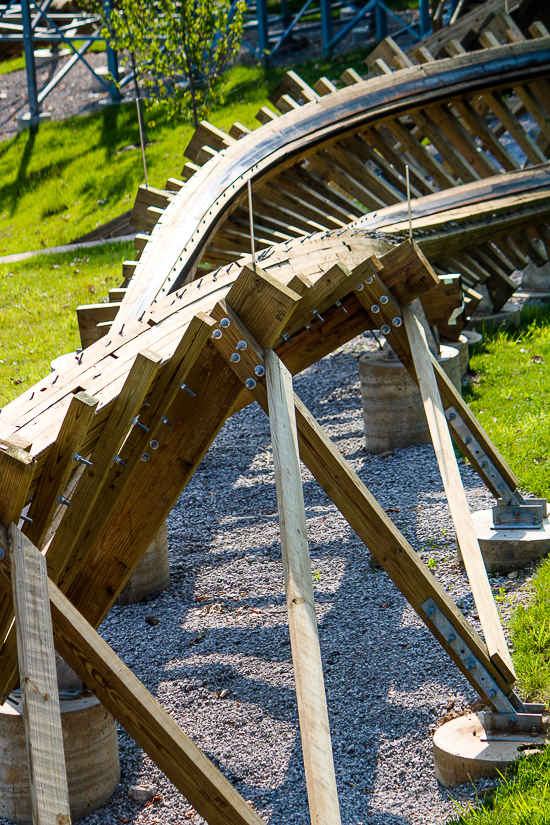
329,160
132,406
93,457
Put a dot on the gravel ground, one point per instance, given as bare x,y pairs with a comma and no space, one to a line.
219,659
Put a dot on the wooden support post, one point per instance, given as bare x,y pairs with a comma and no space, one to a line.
452,482
304,638
41,714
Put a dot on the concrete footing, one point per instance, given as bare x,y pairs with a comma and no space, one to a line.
462,753
462,346
91,755
28,121
392,405
474,339
507,550
508,317
152,575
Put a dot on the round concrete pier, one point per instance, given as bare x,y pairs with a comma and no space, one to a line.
91,755
463,351
507,550
509,318
152,575
474,339
392,405
462,754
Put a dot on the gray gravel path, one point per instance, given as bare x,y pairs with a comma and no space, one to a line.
219,660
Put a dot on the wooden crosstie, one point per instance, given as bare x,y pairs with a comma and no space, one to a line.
143,406
332,155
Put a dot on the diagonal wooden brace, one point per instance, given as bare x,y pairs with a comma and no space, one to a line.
371,524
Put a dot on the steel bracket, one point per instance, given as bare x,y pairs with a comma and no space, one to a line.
485,683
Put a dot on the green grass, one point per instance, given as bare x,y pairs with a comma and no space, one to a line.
38,298
13,65
69,177
511,397
524,799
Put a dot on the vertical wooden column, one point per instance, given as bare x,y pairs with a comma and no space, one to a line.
304,639
41,714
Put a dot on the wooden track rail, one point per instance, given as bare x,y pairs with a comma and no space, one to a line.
333,157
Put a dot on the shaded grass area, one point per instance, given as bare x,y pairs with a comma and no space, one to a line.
511,397
69,177
38,298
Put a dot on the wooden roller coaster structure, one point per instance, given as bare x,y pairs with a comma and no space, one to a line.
93,457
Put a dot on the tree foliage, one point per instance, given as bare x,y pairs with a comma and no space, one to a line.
178,48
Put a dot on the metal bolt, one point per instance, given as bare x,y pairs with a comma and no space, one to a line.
235,357
471,666
451,638
492,693
250,383
186,388
359,288
369,280
224,323
117,460
164,420
430,611
217,333
397,322
314,312
63,500
78,457
536,520
484,464
154,445
1,554
375,308
516,512
468,440
384,299
146,457
259,371
342,307
285,337
140,425
241,345
452,416
385,329
26,518
500,487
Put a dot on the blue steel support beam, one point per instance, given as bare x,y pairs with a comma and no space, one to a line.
30,67
263,30
425,19
112,56
326,26
381,22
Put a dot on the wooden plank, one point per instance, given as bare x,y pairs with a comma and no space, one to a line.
304,638
452,482
510,121
324,86
207,135
59,465
89,316
41,714
293,85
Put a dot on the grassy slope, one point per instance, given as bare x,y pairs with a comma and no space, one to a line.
37,309
71,176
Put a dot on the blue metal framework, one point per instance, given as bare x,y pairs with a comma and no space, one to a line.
32,22
281,27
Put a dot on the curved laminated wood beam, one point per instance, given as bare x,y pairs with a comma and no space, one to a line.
201,207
